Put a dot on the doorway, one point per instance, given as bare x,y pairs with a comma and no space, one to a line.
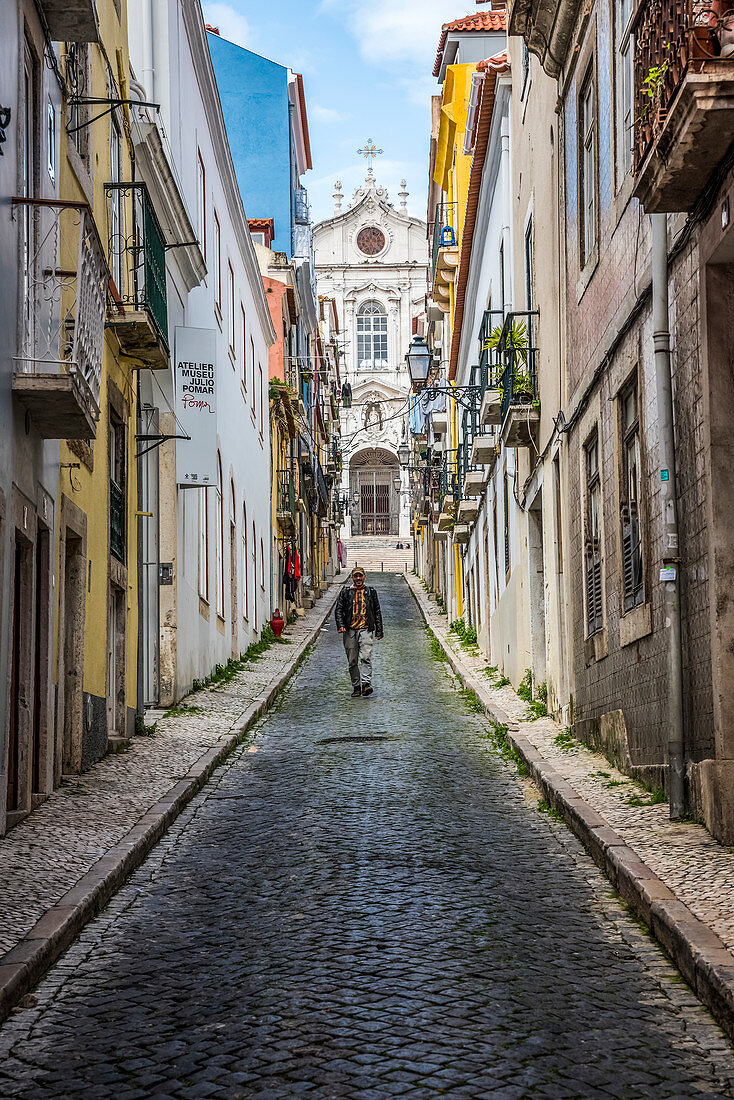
116,634
73,653
40,664
20,677
536,570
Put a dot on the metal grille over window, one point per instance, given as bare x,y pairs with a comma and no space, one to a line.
372,336
594,600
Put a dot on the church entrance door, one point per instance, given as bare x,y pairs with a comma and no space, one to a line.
375,502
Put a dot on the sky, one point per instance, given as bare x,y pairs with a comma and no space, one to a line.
366,67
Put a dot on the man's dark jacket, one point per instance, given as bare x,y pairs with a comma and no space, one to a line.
345,602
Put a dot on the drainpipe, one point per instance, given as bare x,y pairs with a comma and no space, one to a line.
140,693
670,575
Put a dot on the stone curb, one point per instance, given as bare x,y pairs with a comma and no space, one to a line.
696,950
24,965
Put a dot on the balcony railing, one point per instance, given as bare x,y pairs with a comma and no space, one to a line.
518,380
681,44
64,277
138,265
490,360
444,234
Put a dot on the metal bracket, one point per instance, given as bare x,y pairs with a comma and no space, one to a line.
86,101
155,441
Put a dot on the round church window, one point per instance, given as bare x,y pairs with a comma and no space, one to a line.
370,240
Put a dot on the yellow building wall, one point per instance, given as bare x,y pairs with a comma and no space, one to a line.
88,486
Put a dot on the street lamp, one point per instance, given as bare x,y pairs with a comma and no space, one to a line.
418,358
397,482
403,454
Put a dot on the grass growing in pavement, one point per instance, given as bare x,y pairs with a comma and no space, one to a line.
537,707
565,741
472,700
498,737
183,710
545,808
437,650
656,797
224,674
495,677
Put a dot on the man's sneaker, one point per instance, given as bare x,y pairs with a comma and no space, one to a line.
356,693
367,689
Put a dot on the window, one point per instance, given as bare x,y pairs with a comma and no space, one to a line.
204,543
262,425
217,263
371,336
245,565
51,141
243,349
262,565
594,601
529,274
258,238
201,201
219,535
231,307
252,361
116,437
624,70
254,577
28,123
633,593
506,518
587,161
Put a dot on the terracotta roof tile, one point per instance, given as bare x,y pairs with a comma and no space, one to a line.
482,21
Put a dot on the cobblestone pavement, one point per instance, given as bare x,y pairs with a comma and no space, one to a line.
48,853
365,902
698,869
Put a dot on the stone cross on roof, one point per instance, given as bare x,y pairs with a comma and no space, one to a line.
370,151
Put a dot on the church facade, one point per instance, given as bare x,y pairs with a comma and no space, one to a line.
372,259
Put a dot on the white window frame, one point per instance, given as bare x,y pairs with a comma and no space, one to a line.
372,336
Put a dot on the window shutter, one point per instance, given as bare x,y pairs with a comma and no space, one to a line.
594,608
631,557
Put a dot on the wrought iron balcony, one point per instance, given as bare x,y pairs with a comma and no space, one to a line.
520,406
684,98
137,260
64,273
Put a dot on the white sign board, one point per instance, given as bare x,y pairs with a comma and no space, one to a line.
196,406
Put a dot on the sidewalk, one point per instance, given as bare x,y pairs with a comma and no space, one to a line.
674,875
63,863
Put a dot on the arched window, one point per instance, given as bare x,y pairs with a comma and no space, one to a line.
245,565
219,519
371,336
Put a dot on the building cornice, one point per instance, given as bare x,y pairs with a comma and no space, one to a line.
196,34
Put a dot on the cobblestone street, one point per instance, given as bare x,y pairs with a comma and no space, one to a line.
365,902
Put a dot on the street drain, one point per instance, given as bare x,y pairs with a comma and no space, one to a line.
341,740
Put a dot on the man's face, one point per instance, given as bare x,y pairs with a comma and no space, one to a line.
358,579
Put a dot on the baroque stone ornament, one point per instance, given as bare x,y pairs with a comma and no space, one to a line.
370,240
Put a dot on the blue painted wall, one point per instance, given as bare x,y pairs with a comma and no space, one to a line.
254,95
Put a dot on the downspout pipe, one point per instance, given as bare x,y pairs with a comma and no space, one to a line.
670,572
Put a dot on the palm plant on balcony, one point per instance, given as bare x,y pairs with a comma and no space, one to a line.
516,344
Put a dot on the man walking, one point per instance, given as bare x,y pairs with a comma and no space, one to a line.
359,620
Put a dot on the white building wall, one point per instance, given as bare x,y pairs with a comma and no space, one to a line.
194,636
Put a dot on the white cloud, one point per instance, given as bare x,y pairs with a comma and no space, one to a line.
231,24
390,32
327,115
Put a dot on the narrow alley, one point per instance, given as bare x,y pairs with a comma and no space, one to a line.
365,902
